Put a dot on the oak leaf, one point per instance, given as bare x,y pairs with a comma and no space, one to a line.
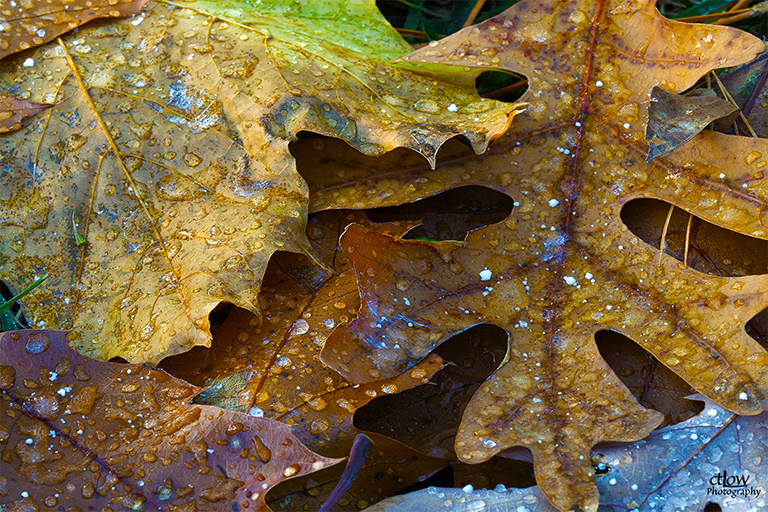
467,500
167,152
715,457
81,432
273,368
563,265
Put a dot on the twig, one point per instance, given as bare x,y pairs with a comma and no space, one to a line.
506,90
664,232
687,239
473,14
728,96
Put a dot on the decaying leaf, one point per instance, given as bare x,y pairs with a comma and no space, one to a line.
24,25
674,119
467,500
83,433
563,265
168,146
273,369
715,457
13,110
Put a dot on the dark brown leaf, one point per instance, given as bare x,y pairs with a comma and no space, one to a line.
674,119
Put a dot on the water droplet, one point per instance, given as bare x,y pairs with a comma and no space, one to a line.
389,388
299,327
752,156
418,373
346,405
262,452
402,285
37,343
317,403
291,470
192,160
319,426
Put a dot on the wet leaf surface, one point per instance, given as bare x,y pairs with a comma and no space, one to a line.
76,432
715,457
167,152
390,466
273,369
467,500
563,265
674,119
24,25
13,110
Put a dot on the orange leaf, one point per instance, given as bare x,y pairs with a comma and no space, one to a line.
563,266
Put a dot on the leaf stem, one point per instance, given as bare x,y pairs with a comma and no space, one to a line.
360,447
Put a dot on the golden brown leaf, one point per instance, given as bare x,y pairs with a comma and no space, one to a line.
563,266
167,151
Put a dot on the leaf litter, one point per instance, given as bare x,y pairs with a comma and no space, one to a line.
168,146
379,189
563,265
273,369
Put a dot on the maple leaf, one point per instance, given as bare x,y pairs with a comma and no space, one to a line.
167,152
273,369
86,433
24,25
563,266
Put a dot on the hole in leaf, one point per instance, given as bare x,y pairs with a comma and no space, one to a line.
501,86
599,463
449,215
427,417
712,507
654,385
118,359
442,478
711,249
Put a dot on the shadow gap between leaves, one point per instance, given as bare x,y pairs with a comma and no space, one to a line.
654,385
449,215
711,249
